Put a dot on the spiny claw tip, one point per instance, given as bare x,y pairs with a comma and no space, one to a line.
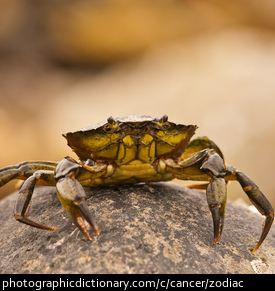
96,230
266,227
88,237
217,221
54,228
216,240
28,221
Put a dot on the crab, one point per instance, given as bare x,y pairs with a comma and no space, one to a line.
133,149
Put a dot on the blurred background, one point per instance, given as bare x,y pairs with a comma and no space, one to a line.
68,64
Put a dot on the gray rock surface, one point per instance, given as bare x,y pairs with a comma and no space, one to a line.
147,228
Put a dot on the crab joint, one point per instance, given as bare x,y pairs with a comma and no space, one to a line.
109,171
161,166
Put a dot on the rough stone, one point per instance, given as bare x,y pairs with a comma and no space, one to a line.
146,228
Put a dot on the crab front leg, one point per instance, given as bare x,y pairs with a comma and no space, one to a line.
72,195
206,165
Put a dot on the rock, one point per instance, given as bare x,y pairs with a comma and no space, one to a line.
146,228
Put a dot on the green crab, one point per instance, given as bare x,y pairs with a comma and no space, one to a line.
133,149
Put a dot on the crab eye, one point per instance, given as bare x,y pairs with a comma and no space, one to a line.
90,162
162,122
163,119
112,124
111,121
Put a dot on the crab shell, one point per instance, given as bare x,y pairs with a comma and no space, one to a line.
128,138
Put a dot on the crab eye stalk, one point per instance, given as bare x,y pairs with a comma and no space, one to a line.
163,119
162,122
111,122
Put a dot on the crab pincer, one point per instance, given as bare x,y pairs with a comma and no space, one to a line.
72,196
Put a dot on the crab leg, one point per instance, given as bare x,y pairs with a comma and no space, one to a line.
24,170
72,195
216,199
258,200
192,172
22,205
206,165
216,191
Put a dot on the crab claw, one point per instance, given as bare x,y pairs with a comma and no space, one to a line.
79,214
218,219
216,198
73,198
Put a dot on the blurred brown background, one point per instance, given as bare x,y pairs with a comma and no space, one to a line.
68,64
